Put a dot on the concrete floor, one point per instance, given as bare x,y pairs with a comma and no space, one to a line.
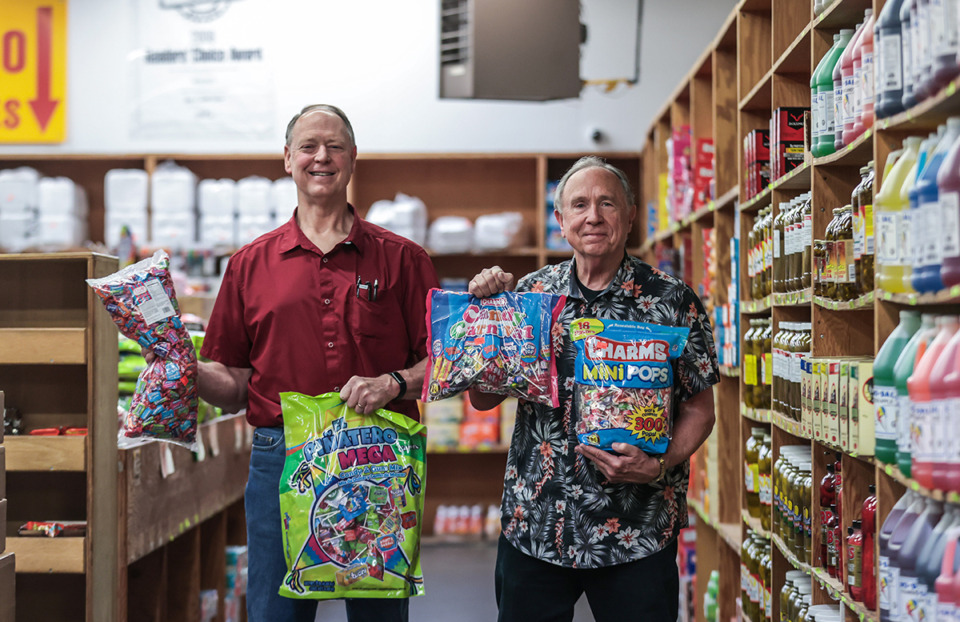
458,580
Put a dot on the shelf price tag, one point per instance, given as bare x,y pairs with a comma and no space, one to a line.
166,461
33,71
214,439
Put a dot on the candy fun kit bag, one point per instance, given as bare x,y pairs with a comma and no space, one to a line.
501,344
624,382
143,304
351,500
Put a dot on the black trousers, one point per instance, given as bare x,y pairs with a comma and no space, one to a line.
530,590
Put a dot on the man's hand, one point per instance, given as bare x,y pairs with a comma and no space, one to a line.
490,281
366,395
632,466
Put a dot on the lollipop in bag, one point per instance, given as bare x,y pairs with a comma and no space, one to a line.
143,304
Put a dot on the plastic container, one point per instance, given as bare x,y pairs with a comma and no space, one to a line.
922,46
946,467
887,36
923,411
863,67
911,221
828,498
908,22
931,560
884,389
821,85
948,184
848,96
868,513
909,561
855,560
932,438
926,277
946,584
892,536
901,372
891,230
946,45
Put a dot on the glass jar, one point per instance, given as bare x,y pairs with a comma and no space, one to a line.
865,203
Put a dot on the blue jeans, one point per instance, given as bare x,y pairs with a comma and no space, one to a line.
267,564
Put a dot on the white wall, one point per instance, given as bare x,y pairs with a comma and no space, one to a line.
377,59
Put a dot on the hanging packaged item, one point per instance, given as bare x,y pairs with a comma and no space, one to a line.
143,304
351,500
624,382
502,344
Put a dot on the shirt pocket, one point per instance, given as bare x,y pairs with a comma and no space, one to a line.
379,321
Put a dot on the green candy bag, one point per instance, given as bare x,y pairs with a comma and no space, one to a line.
351,500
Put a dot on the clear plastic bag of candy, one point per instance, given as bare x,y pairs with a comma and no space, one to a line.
143,304
502,344
351,496
624,382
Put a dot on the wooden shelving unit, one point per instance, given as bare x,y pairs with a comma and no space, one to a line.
762,59
59,368
8,581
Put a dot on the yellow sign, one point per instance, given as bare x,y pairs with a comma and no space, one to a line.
33,71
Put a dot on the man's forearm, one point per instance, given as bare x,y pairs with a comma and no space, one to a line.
224,386
692,426
414,377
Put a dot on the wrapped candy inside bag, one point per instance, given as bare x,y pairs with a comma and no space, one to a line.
502,344
143,304
624,382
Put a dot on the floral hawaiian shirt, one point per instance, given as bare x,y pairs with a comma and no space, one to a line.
555,507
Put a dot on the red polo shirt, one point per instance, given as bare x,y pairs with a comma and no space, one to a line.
292,313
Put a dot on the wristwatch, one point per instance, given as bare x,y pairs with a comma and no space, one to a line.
663,469
400,381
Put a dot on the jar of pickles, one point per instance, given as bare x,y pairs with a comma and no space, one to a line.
751,459
765,472
842,284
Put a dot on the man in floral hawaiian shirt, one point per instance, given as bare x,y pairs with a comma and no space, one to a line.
576,519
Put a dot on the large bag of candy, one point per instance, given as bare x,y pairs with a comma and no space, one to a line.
351,498
624,382
502,344
143,304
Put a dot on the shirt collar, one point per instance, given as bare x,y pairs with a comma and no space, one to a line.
623,273
292,236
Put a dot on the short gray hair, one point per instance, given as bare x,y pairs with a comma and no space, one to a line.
592,162
323,108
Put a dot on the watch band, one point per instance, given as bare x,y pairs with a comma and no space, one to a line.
403,383
663,469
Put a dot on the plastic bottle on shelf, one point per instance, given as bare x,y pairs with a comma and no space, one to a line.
908,21
832,531
844,133
931,559
901,372
884,388
855,560
887,37
863,74
946,45
892,535
932,436
890,211
946,583
923,408
868,517
838,487
912,238
948,184
926,276
922,48
946,465
912,592
821,85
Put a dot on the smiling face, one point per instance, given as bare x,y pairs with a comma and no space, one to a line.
595,216
320,158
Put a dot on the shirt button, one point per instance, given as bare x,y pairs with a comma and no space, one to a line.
327,301
336,388
330,345
324,260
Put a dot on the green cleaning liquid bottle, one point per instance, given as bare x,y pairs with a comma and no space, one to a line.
884,387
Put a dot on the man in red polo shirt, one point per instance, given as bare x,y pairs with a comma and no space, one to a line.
326,302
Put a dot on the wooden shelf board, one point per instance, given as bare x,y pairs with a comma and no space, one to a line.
756,306
863,302
946,296
796,58
43,346
893,471
727,198
46,453
857,153
926,115
728,532
793,299
159,509
789,426
729,372
759,6
842,14
49,555
760,97
758,415
797,179
754,524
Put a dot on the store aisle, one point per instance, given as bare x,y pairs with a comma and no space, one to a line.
459,587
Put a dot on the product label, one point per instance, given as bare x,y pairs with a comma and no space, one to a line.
886,588
829,113
849,100
766,489
931,240
854,564
857,88
816,109
868,227
924,417
952,433
866,76
949,226
767,372
905,248
911,600
890,70
887,238
950,41
904,416
752,477
776,244
750,369
153,302
857,235
906,49
885,408
838,105
921,40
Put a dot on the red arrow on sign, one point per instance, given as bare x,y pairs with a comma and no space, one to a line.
44,107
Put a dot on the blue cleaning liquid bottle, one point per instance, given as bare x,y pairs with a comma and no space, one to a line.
926,275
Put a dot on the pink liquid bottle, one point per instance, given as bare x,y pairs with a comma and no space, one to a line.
863,73
948,183
946,465
930,468
868,514
946,585
924,409
843,78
